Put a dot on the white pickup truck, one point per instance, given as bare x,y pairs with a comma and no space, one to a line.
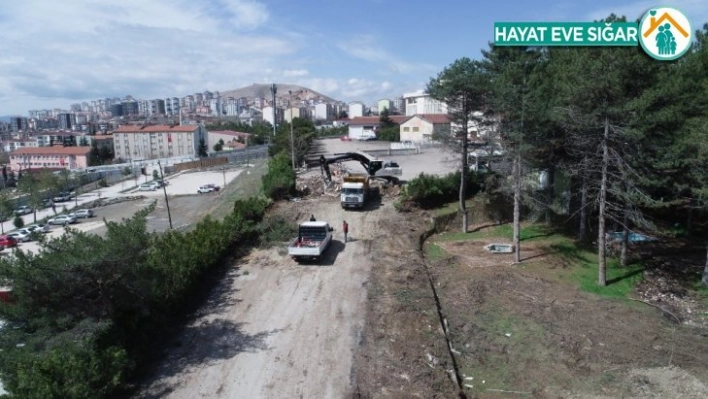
312,241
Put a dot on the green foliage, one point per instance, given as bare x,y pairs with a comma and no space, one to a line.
18,222
86,308
103,183
303,133
127,171
279,182
430,191
202,149
274,230
155,175
389,130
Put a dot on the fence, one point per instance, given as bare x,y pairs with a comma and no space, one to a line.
391,151
246,154
202,163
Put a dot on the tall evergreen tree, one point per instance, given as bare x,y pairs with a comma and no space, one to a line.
464,87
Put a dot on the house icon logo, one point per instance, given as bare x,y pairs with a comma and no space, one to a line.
665,33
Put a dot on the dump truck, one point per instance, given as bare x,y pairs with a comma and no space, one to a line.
313,239
355,191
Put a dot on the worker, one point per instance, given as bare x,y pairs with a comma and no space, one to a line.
345,229
312,218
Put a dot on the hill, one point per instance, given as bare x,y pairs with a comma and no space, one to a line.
299,93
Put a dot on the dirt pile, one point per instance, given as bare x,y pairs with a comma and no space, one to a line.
660,288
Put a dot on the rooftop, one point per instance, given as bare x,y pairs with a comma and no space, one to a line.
156,128
54,150
230,133
432,118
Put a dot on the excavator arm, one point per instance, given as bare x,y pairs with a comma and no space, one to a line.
370,164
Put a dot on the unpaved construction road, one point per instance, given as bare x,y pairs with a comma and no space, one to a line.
276,329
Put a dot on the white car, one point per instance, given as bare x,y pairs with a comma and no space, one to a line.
62,220
206,189
82,213
21,235
40,228
148,187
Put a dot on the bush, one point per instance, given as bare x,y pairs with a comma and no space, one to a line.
430,191
87,311
18,222
279,181
103,183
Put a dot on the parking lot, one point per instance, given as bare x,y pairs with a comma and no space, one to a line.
188,182
435,161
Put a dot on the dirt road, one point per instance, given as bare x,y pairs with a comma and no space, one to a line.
277,329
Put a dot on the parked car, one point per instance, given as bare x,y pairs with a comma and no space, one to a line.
82,213
208,188
23,210
7,242
62,220
62,197
21,235
345,138
148,187
39,228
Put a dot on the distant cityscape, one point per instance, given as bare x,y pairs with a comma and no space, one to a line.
128,129
248,105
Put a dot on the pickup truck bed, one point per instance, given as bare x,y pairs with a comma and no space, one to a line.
308,249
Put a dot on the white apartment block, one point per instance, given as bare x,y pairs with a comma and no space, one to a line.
324,111
133,142
421,103
356,109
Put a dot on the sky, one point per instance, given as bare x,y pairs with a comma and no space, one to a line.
55,53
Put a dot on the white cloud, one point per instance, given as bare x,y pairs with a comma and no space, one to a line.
85,50
695,10
368,48
289,73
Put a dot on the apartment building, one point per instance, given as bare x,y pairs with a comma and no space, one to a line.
55,157
420,102
135,142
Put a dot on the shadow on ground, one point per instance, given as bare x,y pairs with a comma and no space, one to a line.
205,344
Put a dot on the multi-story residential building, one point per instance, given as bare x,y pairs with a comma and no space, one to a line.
55,157
10,145
172,105
66,121
130,108
383,104
324,112
399,105
356,109
295,112
133,142
268,115
420,102
18,124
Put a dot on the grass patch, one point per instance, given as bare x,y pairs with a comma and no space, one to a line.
620,280
452,207
507,340
531,232
582,270
245,185
435,252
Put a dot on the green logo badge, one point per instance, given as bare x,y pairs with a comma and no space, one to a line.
665,33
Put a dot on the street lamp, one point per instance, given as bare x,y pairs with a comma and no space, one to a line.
292,137
273,90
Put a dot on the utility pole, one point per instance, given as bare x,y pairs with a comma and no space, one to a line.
292,137
273,90
164,190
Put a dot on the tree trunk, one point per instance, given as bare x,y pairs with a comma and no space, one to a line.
625,237
602,259
463,177
517,208
704,281
550,192
582,228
